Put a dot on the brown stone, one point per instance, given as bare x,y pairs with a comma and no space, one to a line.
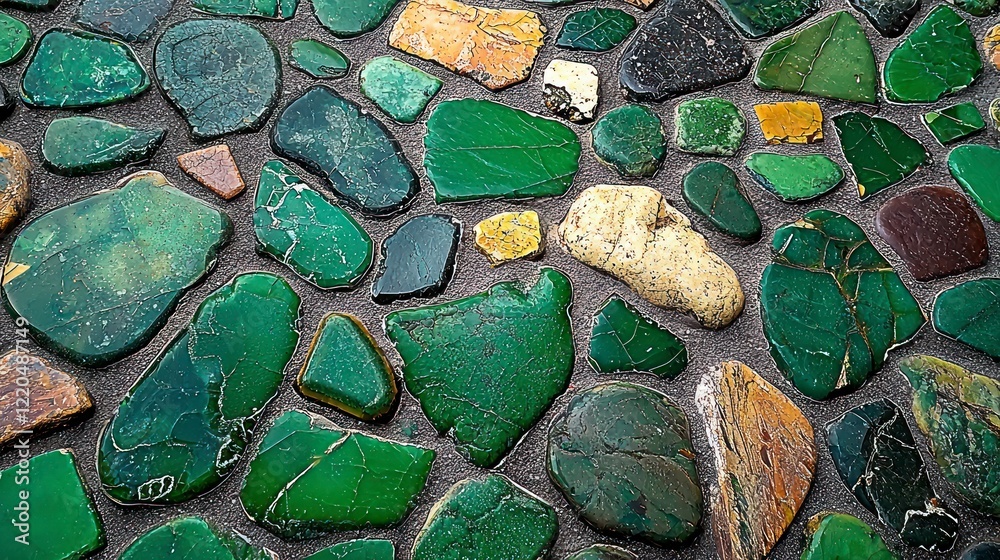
790,122
15,177
215,168
935,230
642,4
36,397
991,46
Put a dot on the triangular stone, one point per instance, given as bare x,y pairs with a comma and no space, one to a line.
215,168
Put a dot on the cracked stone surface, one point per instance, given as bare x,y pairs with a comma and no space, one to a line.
400,90
794,178
790,122
359,549
81,145
596,29
602,552
713,191
889,17
975,168
319,60
571,90
15,39
15,184
991,46
970,314
839,536
133,21
56,397
954,123
764,18
509,236
624,340
193,538
418,259
216,170
351,18
267,9
879,152
709,126
630,140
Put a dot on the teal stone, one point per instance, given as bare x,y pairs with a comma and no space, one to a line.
15,38
398,89
602,552
764,18
418,259
954,123
128,20
624,340
630,140
95,280
350,18
970,314
595,30
31,5
267,9
976,167
193,538
360,549
81,145
879,152
795,178
317,59
712,190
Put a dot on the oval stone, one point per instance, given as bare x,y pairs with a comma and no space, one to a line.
190,538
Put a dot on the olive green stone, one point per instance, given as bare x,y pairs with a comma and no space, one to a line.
360,549
303,230
47,512
763,18
976,167
486,368
317,59
831,58
712,190
623,340
193,538
95,280
955,122
596,29
630,140
489,519
268,9
839,536
831,305
477,149
75,69
311,477
31,5
710,126
622,456
970,313
602,552
398,89
350,18
794,178
879,152
81,145
15,38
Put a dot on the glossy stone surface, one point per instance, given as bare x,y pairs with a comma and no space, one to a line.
223,75
216,170
128,20
193,538
350,18
268,9
709,126
506,353
359,158
15,39
31,5
879,152
991,46
978,8
831,58
794,178
954,123
318,59
889,17
982,551
418,259
713,191
790,122
311,477
571,90
630,140
95,280
763,18
81,145
54,397
398,89
602,552
7,102
360,549
624,340
975,168
839,536
489,519
765,457
596,29
970,313
510,236
15,185
477,149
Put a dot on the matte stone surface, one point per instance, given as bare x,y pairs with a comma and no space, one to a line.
976,167
794,178
709,126
790,122
889,17
81,145
982,551
596,29
879,152
398,89
970,313
713,191
360,549
954,123
350,18
839,536
15,185
630,140
193,538
318,59
268,9
128,20
571,90
624,340
602,552
763,18
216,170
15,39
418,259
510,236
54,397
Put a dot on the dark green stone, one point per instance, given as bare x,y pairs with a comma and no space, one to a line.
15,38
418,259
763,18
596,29
879,152
333,137
317,59
710,126
398,89
128,20
839,536
193,538
95,280
81,145
889,17
970,313
955,122
486,368
622,456
976,167
982,551
223,75
712,190
30,5
602,552
978,8
360,549
794,178
350,18
75,69
624,340
267,9
630,140
7,102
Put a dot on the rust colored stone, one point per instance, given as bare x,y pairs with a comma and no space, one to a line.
991,46
15,178
215,168
790,122
51,397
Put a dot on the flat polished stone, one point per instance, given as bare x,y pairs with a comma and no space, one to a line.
794,178
128,20
630,140
216,170
81,145
709,126
764,18
713,191
8,102
418,259
839,536
15,39
879,152
970,313
319,60
889,17
978,8
954,123
350,18
359,549
510,236
624,340
31,5
15,185
571,90
982,551
55,397
267,9
790,122
991,46
975,167
193,538
602,552
596,29
400,90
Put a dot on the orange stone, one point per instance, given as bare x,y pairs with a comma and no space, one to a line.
15,196
991,44
36,397
497,48
641,4
790,122
215,168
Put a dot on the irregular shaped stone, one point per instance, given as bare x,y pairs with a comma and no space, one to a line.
95,280
268,9
15,185
874,452
222,75
991,46
839,536
624,340
74,69
790,122
398,89
595,30
978,8
418,259
489,519
630,140
7,102
190,538
128,20
496,48
602,552
709,126
763,18
982,551
311,477
794,178
80,145
995,113
831,58
571,90
54,397
15,38
713,191
350,18
631,233
970,313
765,457
31,5
486,368
359,158
303,230
975,168
889,17
510,236
476,149
879,152
215,168
685,47
319,60
954,123
360,549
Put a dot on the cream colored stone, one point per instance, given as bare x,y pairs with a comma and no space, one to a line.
571,90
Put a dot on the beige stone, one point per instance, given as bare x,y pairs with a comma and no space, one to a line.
571,90
509,236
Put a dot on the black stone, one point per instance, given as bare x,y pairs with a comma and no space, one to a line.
128,20
982,551
417,259
888,17
7,102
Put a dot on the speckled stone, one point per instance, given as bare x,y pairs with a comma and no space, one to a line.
81,145
630,139
55,397
510,236
15,39
398,89
790,122
418,259
128,20
709,126
571,90
31,5
216,170
15,185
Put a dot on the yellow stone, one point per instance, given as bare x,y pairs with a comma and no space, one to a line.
509,236
790,122
641,4
497,48
991,44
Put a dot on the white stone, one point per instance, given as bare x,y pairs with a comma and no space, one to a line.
571,90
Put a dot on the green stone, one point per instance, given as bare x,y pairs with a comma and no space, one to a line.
491,519
970,313
360,549
630,140
763,18
303,230
317,59
976,167
955,122
478,149
839,536
30,5
889,17
624,340
709,126
938,58
978,8
335,138
128,20
398,89
418,259
982,551
81,145
346,369
15,38
268,9
193,538
95,280
486,368
831,58
350,18
794,178
47,512
75,69
712,190
596,29
602,552
311,477
831,305
622,456
879,152
184,425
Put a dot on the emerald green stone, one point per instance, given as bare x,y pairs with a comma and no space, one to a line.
938,58
317,59
184,425
310,477
710,126
360,549
839,536
81,145
602,552
596,29
970,313
879,152
31,5
794,178
47,512
831,58
978,8
75,69
763,18
398,89
486,368
630,140
712,190
303,230
15,38
95,280
193,538
623,340
128,20
955,122
831,305
976,168
489,519
350,18
268,9
622,456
